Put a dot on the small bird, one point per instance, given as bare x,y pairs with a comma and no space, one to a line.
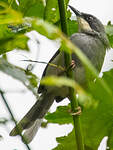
93,42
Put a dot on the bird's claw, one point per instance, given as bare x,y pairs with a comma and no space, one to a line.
76,113
72,65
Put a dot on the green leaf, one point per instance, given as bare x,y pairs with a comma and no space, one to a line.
51,13
109,32
9,39
34,8
109,29
5,32
72,27
9,15
58,81
44,28
108,77
110,40
61,116
66,142
18,41
96,120
28,79
110,139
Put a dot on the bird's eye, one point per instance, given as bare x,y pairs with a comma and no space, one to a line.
90,18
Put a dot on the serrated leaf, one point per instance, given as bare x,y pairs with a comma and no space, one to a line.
28,79
61,116
66,142
96,121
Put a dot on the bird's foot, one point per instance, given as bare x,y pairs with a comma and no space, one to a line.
72,65
78,112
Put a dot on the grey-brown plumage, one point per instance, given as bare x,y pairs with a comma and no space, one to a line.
93,42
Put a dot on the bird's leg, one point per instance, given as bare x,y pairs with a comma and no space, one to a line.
76,113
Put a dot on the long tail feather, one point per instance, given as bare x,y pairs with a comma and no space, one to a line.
32,120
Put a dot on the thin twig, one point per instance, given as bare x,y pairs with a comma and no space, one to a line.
50,64
13,118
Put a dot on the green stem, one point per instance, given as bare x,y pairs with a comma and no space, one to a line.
13,118
74,103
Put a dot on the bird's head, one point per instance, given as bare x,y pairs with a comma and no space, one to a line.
91,25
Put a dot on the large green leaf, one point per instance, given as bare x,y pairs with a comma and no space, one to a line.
61,116
66,142
18,41
27,78
8,39
51,12
9,15
5,32
30,8
96,120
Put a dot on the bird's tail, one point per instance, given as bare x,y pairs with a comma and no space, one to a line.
33,119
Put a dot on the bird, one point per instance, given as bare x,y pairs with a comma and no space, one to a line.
92,40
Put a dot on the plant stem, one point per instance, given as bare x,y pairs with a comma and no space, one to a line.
67,57
13,118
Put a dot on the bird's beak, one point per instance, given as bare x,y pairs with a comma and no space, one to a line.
78,13
83,24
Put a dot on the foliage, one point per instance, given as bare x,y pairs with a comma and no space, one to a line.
109,31
97,120
96,101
